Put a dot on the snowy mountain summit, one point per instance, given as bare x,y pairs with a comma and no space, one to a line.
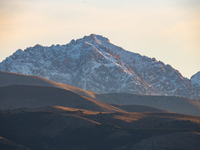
93,63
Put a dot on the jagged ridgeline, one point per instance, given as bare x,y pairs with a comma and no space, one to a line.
93,63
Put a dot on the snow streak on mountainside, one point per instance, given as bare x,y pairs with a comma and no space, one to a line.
93,63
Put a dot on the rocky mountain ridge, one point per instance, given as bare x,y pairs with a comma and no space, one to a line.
93,63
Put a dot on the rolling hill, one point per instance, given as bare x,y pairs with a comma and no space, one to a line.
170,103
19,96
7,78
66,128
152,103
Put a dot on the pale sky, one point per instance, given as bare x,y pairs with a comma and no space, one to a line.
168,30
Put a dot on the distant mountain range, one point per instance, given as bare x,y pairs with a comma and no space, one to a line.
93,63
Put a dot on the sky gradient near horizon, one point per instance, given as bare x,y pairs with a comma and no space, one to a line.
168,30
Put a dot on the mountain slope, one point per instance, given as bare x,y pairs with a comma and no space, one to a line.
93,63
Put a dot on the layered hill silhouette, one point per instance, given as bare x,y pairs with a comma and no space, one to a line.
39,114
139,103
26,96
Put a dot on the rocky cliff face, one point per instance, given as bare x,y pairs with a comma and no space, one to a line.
93,63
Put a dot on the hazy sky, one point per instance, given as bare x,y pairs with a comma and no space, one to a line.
168,30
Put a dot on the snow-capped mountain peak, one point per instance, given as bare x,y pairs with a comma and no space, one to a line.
94,63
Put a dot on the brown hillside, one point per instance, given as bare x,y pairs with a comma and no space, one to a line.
7,78
144,120
18,96
170,103
63,128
